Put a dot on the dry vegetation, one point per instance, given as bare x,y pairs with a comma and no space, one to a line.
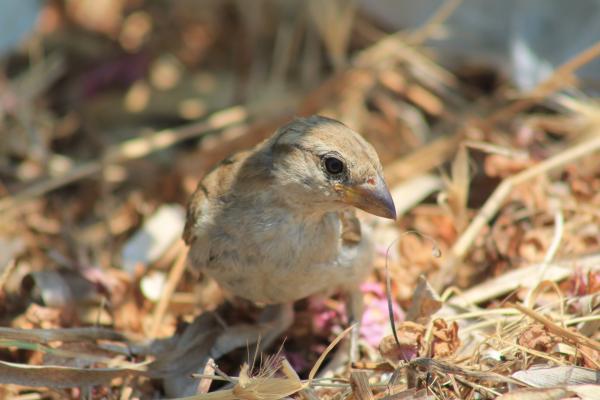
112,111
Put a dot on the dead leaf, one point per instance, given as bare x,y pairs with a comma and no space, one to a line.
536,337
544,377
445,340
425,302
410,336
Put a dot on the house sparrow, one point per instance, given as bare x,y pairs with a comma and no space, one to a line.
274,224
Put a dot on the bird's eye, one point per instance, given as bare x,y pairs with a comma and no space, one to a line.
334,165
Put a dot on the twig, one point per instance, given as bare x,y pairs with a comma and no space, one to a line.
444,367
481,313
38,189
558,330
490,322
582,319
214,377
393,47
543,285
174,277
63,335
494,202
359,382
491,148
315,368
476,386
38,78
526,350
223,375
437,18
307,392
130,150
559,222
423,159
554,83
205,383
492,288
333,21
550,254
8,270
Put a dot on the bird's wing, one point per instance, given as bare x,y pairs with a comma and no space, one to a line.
212,192
205,205
194,209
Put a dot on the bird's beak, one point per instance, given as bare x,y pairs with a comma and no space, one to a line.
372,196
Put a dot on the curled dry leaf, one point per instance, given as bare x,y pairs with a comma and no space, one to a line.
445,340
536,337
500,166
410,336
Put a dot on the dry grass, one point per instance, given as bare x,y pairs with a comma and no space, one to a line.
507,193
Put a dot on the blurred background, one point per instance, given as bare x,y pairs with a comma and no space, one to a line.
112,110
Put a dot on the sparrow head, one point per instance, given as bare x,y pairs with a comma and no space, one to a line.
319,163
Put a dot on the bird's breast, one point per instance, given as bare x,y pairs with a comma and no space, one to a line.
280,258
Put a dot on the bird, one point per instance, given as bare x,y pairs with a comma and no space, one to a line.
276,223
